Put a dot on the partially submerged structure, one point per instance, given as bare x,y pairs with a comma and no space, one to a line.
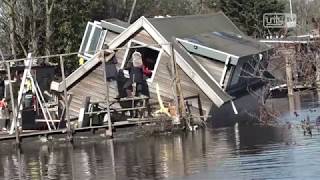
214,61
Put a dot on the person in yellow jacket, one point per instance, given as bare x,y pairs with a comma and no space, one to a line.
81,61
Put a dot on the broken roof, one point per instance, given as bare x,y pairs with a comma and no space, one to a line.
235,44
186,26
219,92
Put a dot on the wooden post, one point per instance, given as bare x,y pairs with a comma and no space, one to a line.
109,131
288,60
69,133
287,53
200,108
178,90
174,79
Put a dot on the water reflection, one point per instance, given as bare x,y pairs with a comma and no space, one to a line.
219,153
228,153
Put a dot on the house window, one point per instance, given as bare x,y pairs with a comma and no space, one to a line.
150,57
243,72
92,40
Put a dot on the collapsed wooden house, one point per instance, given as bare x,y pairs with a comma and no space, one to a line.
212,54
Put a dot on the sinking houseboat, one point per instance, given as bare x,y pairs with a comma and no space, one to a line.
214,58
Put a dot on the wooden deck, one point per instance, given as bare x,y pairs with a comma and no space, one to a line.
31,133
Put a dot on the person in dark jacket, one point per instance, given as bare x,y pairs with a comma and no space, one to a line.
110,68
2,87
122,92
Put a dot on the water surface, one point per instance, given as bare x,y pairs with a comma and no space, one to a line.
226,153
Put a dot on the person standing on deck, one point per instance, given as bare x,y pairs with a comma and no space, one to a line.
4,115
2,87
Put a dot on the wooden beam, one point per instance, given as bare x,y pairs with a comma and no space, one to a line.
224,72
113,27
69,133
77,74
107,85
43,120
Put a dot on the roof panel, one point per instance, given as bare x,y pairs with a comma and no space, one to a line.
184,26
238,45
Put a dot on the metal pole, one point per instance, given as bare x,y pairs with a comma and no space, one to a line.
69,133
109,131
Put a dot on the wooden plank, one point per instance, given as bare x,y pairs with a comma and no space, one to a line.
43,120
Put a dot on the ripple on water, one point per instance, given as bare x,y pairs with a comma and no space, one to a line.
209,154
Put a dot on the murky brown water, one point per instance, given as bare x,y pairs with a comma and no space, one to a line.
227,153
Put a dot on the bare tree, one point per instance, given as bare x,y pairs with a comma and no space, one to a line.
10,5
49,6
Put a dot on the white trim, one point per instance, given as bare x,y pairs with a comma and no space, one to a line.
199,81
210,49
156,35
154,72
144,44
86,53
113,24
102,39
97,23
142,22
85,33
75,75
125,34
125,54
224,72
286,41
150,80
234,108
89,40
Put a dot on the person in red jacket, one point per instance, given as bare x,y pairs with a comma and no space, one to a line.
4,113
146,71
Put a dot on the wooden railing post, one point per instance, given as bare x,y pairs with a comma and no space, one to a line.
69,132
109,131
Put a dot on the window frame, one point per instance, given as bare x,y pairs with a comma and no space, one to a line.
85,54
129,44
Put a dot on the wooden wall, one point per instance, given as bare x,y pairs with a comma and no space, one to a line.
92,84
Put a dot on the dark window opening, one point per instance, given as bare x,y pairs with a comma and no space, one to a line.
149,58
